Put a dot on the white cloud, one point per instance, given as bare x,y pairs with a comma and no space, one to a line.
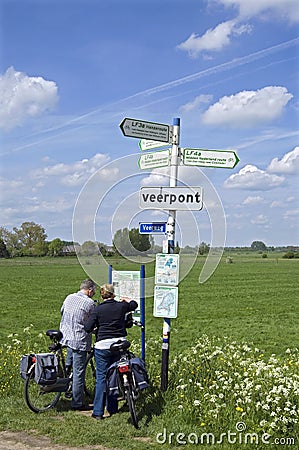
157,177
76,173
195,104
291,213
259,220
248,108
253,200
282,9
252,178
214,39
289,163
22,96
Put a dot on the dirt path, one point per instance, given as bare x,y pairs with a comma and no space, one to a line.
22,441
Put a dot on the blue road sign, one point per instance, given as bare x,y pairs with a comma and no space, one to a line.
152,228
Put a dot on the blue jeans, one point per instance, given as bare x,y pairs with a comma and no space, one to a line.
77,358
104,358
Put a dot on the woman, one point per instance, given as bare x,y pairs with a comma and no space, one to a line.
109,319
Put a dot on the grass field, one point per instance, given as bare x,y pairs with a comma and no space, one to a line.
221,369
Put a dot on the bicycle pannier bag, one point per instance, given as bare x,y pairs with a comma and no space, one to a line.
140,373
25,364
112,380
46,368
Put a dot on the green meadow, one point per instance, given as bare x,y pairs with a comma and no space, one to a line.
233,356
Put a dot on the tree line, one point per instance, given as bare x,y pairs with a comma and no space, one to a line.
31,240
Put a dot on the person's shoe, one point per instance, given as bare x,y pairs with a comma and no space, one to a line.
97,417
83,408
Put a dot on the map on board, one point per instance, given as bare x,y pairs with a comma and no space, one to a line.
127,284
167,269
166,302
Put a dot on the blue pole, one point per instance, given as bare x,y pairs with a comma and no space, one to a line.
142,309
110,274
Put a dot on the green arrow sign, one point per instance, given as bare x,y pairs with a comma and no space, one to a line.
154,159
226,159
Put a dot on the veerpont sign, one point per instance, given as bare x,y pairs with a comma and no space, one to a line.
179,198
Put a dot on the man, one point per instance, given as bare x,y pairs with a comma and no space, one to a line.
75,311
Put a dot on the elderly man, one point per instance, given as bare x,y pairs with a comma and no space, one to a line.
76,310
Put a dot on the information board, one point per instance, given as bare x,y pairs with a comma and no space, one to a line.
167,269
166,302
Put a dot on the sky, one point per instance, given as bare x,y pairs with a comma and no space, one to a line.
72,70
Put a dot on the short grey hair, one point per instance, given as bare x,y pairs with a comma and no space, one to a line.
88,284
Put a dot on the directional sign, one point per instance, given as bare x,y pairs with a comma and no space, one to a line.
145,130
171,198
210,158
147,144
152,228
155,159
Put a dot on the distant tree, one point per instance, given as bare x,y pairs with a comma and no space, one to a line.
103,249
31,239
56,247
131,242
3,250
203,248
140,242
89,248
258,246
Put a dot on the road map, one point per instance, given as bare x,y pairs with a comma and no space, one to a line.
127,284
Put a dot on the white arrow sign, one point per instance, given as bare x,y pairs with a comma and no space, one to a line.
153,160
181,198
210,158
145,130
147,144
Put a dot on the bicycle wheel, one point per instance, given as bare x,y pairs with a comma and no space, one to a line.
131,403
90,377
36,397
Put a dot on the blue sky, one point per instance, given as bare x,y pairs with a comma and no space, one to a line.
71,70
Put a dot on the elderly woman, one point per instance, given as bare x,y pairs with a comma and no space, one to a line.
109,319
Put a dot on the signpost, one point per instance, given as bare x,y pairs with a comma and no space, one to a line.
153,160
226,159
145,130
152,228
170,198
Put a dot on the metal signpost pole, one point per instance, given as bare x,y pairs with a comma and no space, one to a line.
170,229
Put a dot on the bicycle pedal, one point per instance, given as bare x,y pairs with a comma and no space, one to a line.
68,395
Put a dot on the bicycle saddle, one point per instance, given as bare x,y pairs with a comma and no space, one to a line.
120,345
54,334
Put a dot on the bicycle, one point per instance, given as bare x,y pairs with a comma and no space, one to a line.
42,398
128,382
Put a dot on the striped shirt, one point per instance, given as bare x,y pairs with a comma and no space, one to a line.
75,311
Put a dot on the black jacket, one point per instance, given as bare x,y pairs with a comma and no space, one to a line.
109,319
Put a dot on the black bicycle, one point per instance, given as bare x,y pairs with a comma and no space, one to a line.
40,398
129,376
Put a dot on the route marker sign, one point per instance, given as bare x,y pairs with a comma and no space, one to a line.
226,159
152,228
178,198
148,144
154,159
145,130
